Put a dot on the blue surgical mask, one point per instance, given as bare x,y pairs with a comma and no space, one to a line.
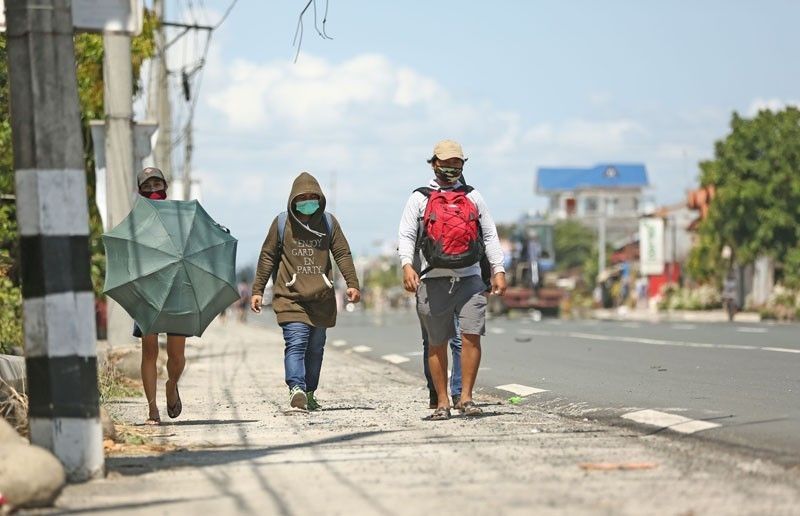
307,207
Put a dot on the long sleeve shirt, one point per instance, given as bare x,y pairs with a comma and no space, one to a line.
410,225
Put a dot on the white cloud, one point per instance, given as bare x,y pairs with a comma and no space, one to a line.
373,123
771,104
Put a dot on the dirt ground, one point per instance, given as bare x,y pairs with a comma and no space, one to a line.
236,450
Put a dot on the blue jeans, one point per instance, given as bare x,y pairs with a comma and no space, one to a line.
302,357
455,349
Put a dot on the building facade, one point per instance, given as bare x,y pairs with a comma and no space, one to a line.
606,194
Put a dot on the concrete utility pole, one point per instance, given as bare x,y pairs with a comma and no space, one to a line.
158,103
120,176
53,219
601,240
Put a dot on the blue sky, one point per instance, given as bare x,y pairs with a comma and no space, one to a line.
521,84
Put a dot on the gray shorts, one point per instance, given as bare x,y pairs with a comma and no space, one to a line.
439,299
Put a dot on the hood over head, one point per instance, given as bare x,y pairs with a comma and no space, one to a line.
305,183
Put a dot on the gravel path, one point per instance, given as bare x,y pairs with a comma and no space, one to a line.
235,450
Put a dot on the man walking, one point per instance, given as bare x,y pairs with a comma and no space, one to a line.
449,226
296,254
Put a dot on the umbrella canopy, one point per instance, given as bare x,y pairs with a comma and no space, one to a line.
170,266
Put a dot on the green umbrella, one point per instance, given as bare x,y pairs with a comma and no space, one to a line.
170,266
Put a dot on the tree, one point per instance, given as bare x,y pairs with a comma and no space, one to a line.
89,69
574,244
756,209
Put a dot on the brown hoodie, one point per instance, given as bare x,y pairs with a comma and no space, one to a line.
303,290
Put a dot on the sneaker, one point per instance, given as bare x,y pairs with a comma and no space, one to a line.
312,402
433,400
297,398
457,401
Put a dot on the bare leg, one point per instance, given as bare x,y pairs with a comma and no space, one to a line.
470,362
149,373
176,345
437,362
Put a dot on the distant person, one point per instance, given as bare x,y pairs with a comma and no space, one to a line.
153,185
730,295
449,223
244,300
297,254
455,376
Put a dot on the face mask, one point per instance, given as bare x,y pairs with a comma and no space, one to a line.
158,195
447,174
307,207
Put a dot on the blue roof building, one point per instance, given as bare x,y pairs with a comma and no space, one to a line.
611,191
604,176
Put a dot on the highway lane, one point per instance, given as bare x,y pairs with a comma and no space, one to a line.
738,384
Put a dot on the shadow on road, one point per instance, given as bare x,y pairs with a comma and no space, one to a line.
132,466
197,422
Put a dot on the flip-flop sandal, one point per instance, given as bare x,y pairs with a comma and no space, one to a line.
175,410
153,421
469,408
440,414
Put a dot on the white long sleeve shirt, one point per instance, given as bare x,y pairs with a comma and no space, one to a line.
410,224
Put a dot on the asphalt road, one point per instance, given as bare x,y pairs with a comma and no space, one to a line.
735,384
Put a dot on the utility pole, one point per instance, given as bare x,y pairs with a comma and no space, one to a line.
158,102
601,240
187,161
120,176
58,301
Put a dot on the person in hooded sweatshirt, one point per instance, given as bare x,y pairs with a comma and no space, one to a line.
303,296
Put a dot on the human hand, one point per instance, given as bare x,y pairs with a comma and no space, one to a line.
353,295
499,284
410,278
255,303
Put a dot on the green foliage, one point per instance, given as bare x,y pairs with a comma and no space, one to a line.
574,244
756,211
89,69
704,297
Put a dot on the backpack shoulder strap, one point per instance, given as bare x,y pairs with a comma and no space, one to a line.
329,223
425,190
282,216
467,189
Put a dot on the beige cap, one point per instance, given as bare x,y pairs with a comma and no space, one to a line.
149,172
447,149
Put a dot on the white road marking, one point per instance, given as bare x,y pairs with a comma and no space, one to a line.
782,350
415,353
751,330
339,343
638,340
673,422
362,349
520,390
395,359
497,331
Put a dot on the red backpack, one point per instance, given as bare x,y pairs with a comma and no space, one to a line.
450,234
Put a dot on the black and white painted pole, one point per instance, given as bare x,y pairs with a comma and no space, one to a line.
58,303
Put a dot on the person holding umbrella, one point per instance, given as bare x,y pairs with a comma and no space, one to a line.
173,269
296,254
153,185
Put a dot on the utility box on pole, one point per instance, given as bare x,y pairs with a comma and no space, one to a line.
58,301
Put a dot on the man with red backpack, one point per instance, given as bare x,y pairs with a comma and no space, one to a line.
446,228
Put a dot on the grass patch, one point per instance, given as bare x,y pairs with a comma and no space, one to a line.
112,384
14,408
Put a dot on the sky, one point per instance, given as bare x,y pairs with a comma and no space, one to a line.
521,84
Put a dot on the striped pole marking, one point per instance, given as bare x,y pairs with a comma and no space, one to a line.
58,303
683,425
